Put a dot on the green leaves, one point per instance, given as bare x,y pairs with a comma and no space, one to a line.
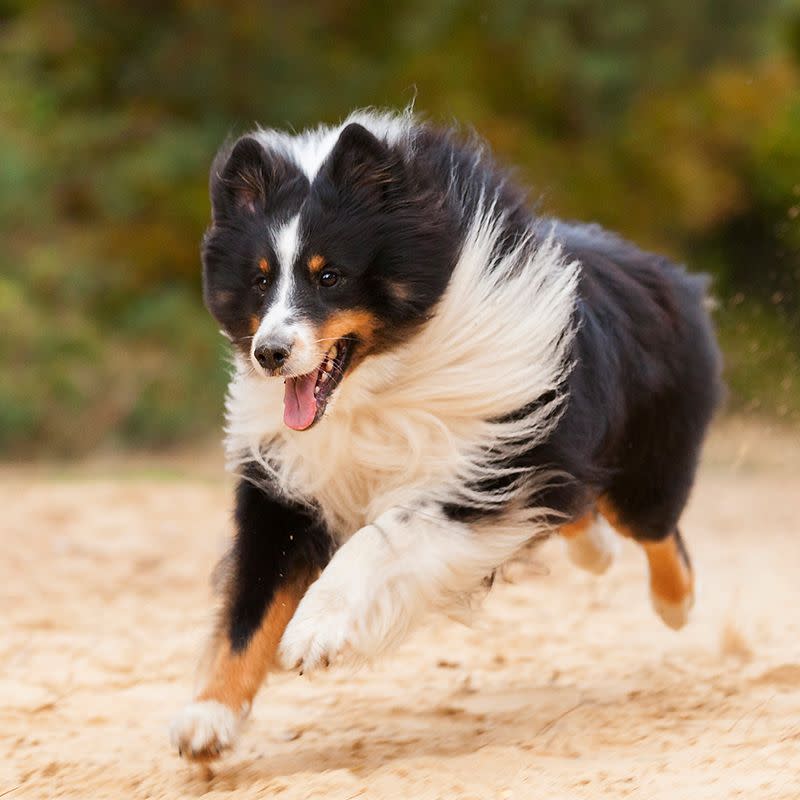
677,124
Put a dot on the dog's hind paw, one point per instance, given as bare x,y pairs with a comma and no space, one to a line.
594,548
674,613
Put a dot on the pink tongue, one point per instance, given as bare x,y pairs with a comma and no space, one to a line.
299,403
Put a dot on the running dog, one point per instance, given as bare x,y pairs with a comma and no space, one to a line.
428,376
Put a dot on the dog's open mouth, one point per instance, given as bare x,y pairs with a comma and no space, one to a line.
306,397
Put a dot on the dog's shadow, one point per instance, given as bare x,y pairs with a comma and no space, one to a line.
547,719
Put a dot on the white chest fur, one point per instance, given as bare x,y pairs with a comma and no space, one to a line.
369,453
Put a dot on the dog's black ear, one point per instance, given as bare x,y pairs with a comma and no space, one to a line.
361,161
241,180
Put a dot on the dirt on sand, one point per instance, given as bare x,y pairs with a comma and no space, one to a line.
567,686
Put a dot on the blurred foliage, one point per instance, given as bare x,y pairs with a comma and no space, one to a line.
676,122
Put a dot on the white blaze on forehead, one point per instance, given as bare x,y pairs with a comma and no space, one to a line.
280,321
287,242
286,246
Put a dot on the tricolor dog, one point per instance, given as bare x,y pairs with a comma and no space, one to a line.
428,376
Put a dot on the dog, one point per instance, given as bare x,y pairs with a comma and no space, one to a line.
428,377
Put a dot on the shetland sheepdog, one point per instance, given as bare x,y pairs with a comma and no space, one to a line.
428,377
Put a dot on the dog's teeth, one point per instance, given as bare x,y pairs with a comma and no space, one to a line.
327,366
316,390
324,377
333,352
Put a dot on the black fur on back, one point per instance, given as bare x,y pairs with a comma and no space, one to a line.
645,383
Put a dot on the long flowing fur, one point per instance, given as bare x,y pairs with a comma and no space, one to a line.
444,411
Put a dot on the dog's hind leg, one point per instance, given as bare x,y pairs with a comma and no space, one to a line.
671,579
670,568
591,542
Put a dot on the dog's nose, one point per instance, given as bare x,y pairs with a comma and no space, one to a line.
272,355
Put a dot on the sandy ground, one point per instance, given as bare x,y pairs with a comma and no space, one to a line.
567,686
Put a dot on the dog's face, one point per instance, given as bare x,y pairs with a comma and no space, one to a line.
309,278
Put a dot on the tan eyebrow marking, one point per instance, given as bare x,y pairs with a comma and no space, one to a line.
316,263
263,265
254,323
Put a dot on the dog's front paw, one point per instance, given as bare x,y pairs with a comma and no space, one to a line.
203,730
323,629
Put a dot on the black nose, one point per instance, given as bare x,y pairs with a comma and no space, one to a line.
271,356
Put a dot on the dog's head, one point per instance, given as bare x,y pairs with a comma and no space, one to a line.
310,277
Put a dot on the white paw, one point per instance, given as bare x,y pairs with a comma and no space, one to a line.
203,730
323,628
674,615
595,548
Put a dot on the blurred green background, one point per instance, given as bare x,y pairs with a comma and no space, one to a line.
675,122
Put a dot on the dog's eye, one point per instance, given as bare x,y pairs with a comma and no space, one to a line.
328,278
262,283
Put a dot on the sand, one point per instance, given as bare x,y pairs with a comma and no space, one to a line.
567,686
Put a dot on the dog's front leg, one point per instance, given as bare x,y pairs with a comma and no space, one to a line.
280,547
384,578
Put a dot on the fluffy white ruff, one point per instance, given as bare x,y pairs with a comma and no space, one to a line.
204,729
383,580
594,548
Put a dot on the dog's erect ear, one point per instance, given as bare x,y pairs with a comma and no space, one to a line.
361,161
241,181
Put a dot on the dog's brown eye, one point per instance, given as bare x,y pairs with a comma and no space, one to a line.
328,278
262,283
